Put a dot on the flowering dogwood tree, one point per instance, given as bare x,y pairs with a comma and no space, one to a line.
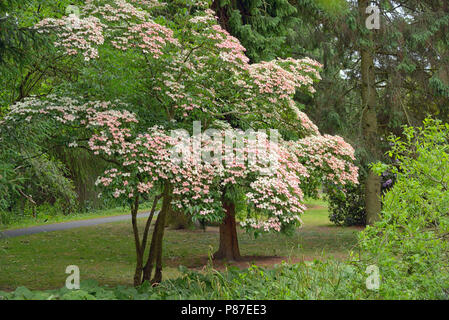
140,163
196,72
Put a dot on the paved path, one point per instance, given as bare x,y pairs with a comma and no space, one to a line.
67,225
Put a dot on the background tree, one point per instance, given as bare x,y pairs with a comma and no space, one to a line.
30,65
262,26
369,114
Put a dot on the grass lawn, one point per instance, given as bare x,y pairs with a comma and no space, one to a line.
106,252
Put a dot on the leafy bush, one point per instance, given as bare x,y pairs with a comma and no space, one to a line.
313,280
28,173
410,242
303,281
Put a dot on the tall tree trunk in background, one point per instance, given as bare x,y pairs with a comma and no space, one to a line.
369,118
443,68
229,245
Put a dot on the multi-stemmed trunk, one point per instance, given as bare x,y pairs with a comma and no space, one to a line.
228,248
155,254
144,272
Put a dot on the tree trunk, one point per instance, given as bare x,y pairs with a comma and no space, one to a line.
155,254
369,119
157,278
139,253
229,246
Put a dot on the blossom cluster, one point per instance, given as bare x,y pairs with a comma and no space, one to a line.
117,11
75,35
270,174
148,36
328,157
283,77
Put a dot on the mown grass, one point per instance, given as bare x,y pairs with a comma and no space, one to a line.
106,252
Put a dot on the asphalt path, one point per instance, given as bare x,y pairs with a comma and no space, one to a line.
67,225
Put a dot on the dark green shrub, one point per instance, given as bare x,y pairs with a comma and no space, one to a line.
348,209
